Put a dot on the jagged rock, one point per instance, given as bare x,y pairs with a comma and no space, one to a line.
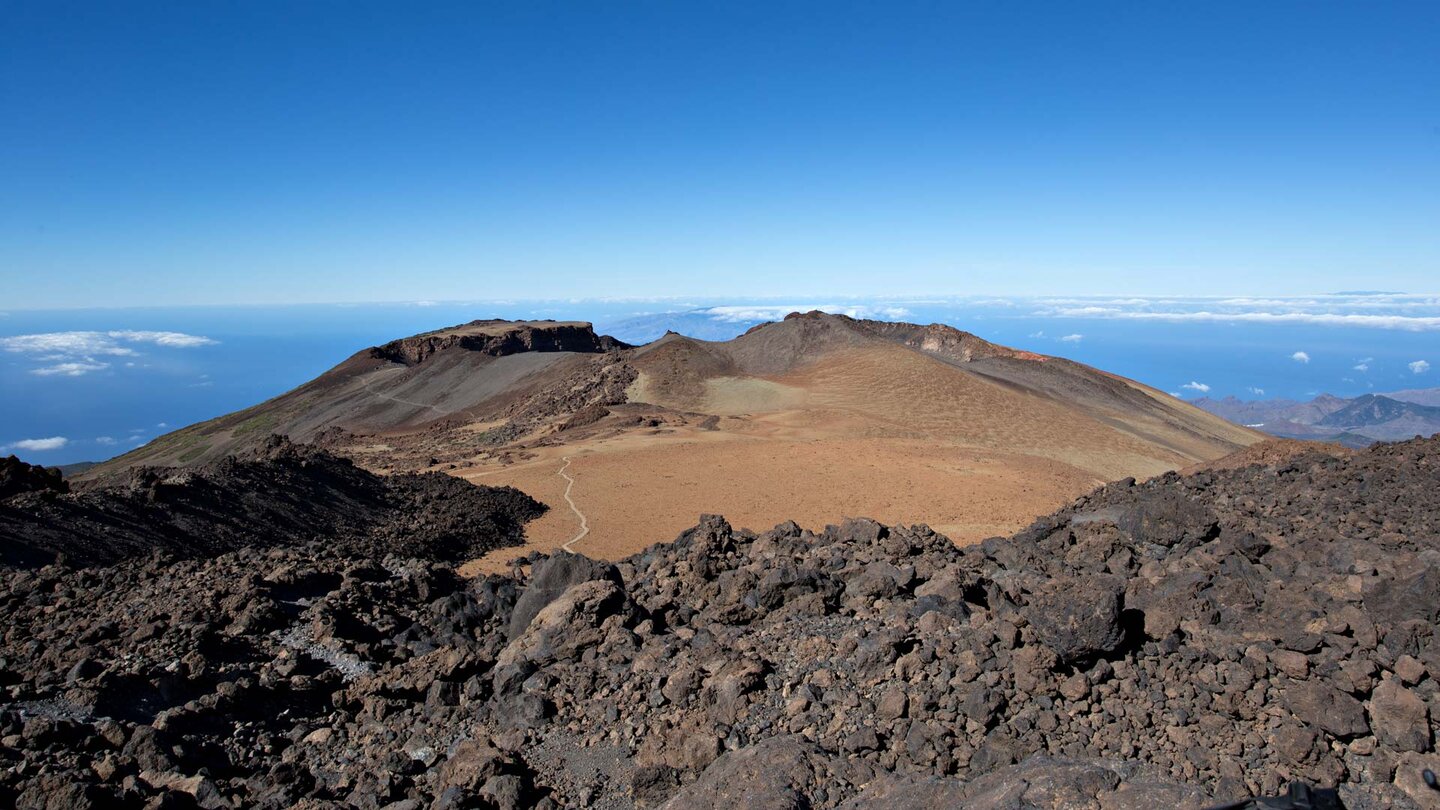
1078,617
1323,706
778,774
1400,717
567,625
552,577
18,477
1170,519
471,765
200,788
1042,782
1410,779
1405,596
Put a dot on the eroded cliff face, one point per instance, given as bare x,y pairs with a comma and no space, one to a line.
498,339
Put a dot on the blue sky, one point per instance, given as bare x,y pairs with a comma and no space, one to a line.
264,152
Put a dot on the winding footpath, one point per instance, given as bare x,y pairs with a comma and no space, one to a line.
366,385
584,523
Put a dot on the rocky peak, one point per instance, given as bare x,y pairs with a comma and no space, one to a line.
816,329
945,341
17,476
499,338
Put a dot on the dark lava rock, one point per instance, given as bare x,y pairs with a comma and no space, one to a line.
778,774
553,576
1325,707
283,493
1078,617
17,477
1170,643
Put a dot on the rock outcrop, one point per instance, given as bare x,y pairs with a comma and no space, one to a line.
17,477
498,339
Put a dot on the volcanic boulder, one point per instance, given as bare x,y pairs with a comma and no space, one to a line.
1078,617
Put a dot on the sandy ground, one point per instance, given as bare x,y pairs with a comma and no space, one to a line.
637,490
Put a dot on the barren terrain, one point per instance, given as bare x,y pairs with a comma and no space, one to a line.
815,418
1179,643
635,488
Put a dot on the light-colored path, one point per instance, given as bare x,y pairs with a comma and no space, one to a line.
584,522
366,385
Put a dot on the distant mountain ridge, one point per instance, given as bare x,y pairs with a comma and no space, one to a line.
1419,396
1356,421
1375,409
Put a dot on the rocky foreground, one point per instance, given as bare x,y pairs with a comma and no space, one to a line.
1170,643
279,493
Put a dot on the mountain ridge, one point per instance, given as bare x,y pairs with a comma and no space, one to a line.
1355,421
985,436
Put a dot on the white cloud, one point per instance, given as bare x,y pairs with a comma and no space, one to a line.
162,424
1413,323
174,340
1072,338
747,314
1197,386
74,354
1259,392
105,440
65,344
75,369
1098,301
1300,357
1419,366
1363,365
1039,334
98,343
52,443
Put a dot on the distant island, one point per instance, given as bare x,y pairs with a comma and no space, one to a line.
1355,422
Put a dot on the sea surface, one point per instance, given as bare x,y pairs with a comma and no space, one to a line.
88,384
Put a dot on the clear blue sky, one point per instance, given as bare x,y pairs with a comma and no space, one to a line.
226,152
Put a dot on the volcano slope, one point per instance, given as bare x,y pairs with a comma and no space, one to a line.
812,418
450,376
1168,643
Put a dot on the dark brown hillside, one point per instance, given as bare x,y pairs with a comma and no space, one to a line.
280,494
460,374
